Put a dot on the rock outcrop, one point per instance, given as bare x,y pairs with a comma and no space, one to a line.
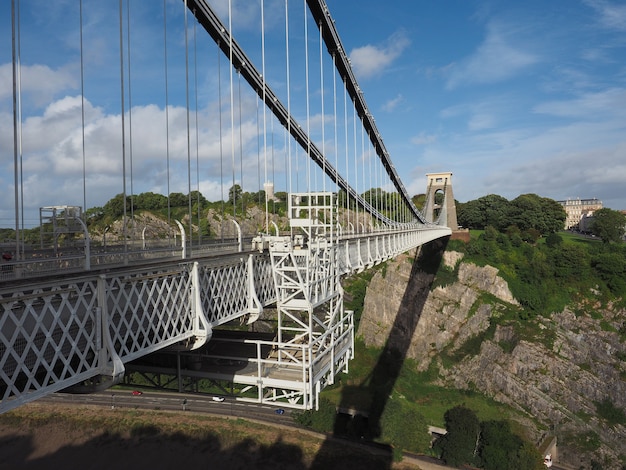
554,369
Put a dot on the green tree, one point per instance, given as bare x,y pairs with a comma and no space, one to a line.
544,215
553,240
459,445
196,196
150,201
404,427
115,207
609,225
501,449
234,194
611,267
178,200
570,262
553,216
419,200
488,210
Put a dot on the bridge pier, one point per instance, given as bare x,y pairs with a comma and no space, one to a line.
440,207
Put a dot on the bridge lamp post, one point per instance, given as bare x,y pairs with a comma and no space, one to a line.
182,238
104,237
87,243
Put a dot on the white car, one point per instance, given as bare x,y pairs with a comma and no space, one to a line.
218,398
547,461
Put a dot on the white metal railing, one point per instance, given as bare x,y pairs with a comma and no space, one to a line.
65,331
60,331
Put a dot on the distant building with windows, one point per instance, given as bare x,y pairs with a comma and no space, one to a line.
578,210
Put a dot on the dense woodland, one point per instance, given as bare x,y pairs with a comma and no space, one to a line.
545,269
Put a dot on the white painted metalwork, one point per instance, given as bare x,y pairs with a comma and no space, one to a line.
80,331
314,331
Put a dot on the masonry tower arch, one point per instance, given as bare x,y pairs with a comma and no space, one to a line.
440,207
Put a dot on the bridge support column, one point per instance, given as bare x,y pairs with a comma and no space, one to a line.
440,207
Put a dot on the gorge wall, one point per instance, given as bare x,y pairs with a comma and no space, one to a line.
553,369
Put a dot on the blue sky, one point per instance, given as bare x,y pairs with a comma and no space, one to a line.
511,97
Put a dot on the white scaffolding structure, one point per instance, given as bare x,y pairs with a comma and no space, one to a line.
313,328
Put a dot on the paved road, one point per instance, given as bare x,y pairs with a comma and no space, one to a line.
168,401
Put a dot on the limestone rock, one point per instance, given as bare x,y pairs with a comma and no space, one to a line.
555,374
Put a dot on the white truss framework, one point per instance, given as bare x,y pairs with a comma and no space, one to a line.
314,331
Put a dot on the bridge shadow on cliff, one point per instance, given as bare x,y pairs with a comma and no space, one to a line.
380,382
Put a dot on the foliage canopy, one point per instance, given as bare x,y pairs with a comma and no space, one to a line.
609,225
526,213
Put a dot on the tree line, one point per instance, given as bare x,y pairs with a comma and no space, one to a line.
532,216
490,445
530,213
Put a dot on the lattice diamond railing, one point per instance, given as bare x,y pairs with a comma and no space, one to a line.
77,333
149,311
49,340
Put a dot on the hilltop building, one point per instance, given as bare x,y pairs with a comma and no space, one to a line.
578,210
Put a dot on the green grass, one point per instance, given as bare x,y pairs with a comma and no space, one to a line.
574,238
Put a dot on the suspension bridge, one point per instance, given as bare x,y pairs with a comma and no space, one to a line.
293,123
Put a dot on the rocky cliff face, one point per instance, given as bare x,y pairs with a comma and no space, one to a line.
552,369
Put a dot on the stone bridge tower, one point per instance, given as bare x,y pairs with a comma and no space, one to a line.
439,207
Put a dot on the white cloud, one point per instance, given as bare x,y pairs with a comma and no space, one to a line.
481,121
496,59
582,159
40,82
368,61
600,105
612,15
424,139
392,104
53,154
